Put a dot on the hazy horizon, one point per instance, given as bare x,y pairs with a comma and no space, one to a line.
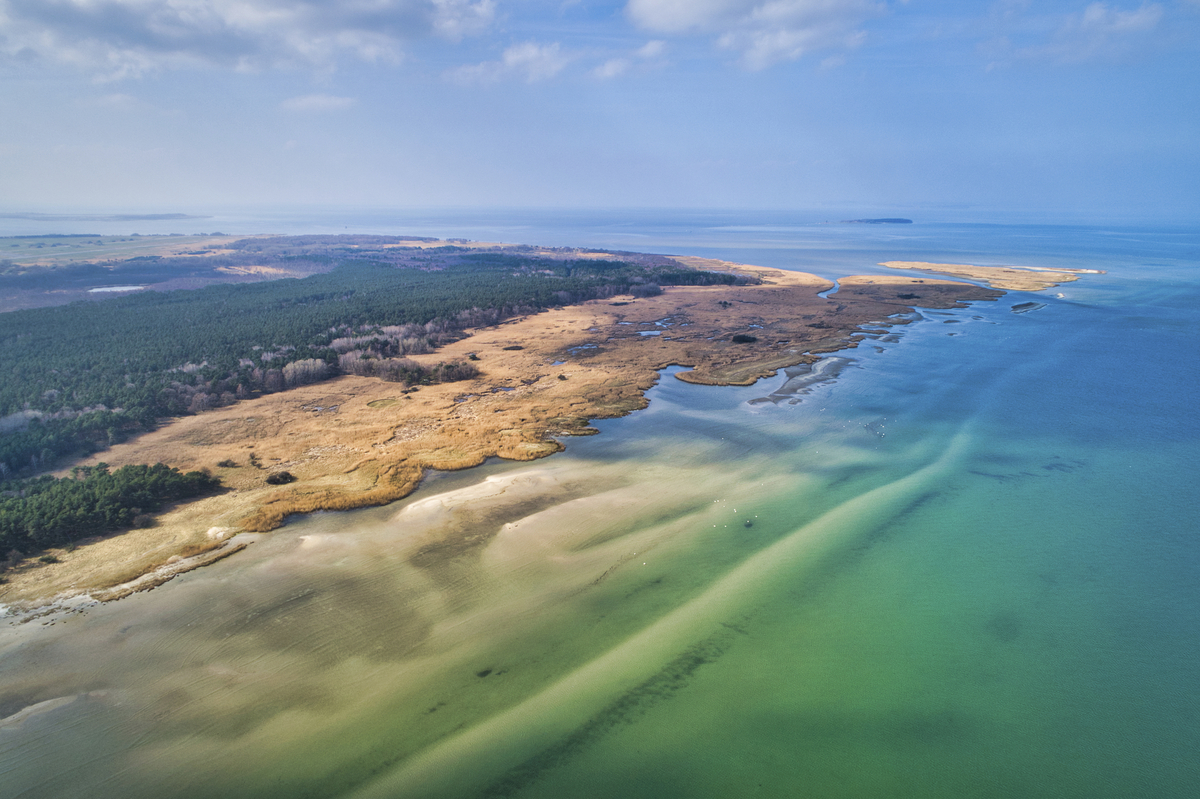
1062,110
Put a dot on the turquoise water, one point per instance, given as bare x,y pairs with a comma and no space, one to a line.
971,570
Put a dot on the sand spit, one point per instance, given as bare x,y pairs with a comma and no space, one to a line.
68,602
803,377
355,441
169,571
1009,278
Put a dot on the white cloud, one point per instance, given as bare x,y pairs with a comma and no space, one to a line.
528,61
833,62
763,32
1099,18
454,19
317,103
118,38
1098,32
612,68
681,16
652,49
648,54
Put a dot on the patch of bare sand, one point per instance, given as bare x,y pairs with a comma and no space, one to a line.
1009,278
355,441
252,270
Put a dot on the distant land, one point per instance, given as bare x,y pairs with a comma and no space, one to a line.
891,220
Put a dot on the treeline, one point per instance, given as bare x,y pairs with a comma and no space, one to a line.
404,370
47,511
40,441
77,378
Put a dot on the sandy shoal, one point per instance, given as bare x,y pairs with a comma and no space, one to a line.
1008,278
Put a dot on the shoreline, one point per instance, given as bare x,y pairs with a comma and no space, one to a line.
357,442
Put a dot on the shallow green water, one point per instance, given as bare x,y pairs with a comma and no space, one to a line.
970,571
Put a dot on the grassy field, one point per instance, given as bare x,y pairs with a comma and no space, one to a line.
53,250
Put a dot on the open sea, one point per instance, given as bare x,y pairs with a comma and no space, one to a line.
966,565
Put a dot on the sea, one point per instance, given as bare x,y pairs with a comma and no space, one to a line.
963,561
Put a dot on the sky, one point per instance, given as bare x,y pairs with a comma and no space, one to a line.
1062,107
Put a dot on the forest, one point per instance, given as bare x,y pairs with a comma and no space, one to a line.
48,511
80,377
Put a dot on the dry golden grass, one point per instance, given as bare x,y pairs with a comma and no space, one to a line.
1009,278
357,441
778,277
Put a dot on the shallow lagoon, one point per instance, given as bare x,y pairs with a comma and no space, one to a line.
971,570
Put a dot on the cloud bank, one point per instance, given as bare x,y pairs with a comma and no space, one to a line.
119,38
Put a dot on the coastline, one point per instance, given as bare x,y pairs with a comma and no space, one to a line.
1042,584
356,442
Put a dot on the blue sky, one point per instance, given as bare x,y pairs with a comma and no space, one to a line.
1062,108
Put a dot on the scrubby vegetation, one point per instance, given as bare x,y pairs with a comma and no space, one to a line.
646,290
48,511
75,379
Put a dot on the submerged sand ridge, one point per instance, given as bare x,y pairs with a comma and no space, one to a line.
356,441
